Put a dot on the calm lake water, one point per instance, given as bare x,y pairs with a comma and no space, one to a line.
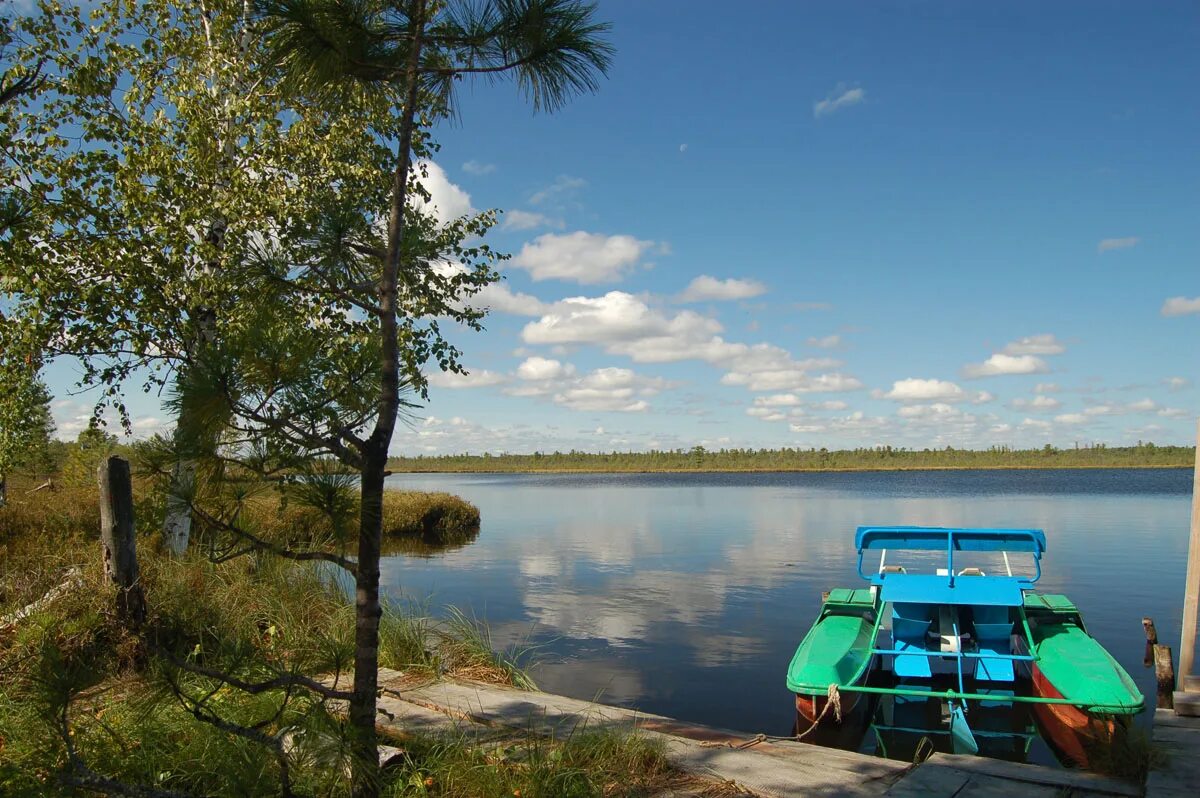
686,594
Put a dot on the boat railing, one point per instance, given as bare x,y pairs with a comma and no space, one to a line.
921,538
961,695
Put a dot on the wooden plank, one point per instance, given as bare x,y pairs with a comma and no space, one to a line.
1186,703
1166,717
930,780
1191,585
1020,773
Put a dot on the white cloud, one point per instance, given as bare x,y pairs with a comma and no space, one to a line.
1037,424
581,257
474,378
828,342
705,288
1070,418
540,368
1174,412
527,220
447,201
563,186
918,390
624,324
1176,383
792,380
1109,244
1046,387
839,98
1181,306
499,297
1039,403
683,147
477,168
610,390
937,411
614,317
1001,363
778,400
1044,344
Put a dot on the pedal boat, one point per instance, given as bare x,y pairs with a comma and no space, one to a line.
982,634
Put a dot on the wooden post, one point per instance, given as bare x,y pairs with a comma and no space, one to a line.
1191,588
1164,676
1151,641
119,539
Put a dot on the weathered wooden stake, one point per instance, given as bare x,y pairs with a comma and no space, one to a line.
1191,588
1151,641
1164,675
119,539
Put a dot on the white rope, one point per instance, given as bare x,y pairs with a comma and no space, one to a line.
832,699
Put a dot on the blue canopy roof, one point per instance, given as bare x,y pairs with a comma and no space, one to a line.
944,538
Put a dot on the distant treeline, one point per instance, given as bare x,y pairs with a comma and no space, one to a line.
1144,455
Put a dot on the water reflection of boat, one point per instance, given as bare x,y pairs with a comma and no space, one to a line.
941,647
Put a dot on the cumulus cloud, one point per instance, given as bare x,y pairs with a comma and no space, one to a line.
499,297
541,368
581,257
1044,344
610,390
828,342
1039,403
705,288
447,201
624,324
918,390
477,168
1071,418
474,378
1000,364
839,98
1181,306
939,411
1176,383
1109,244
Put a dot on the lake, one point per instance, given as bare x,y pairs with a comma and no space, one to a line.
686,594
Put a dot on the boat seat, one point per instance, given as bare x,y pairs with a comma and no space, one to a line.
993,634
910,624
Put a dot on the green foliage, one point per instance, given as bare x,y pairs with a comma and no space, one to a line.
1144,455
25,421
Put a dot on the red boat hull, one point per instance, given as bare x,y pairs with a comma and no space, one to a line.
1073,731
810,707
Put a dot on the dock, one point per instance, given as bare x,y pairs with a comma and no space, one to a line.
738,763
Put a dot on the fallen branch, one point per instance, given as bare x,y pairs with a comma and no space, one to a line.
74,579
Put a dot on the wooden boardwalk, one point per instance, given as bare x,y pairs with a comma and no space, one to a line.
772,769
1178,738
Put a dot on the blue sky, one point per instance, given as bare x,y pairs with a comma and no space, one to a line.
834,224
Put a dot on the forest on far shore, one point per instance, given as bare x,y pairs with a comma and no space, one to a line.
698,458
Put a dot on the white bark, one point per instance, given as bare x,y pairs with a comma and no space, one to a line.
177,524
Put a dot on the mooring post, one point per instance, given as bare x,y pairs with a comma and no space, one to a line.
1151,641
118,538
1164,677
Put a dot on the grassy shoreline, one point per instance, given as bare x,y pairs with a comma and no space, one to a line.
85,697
